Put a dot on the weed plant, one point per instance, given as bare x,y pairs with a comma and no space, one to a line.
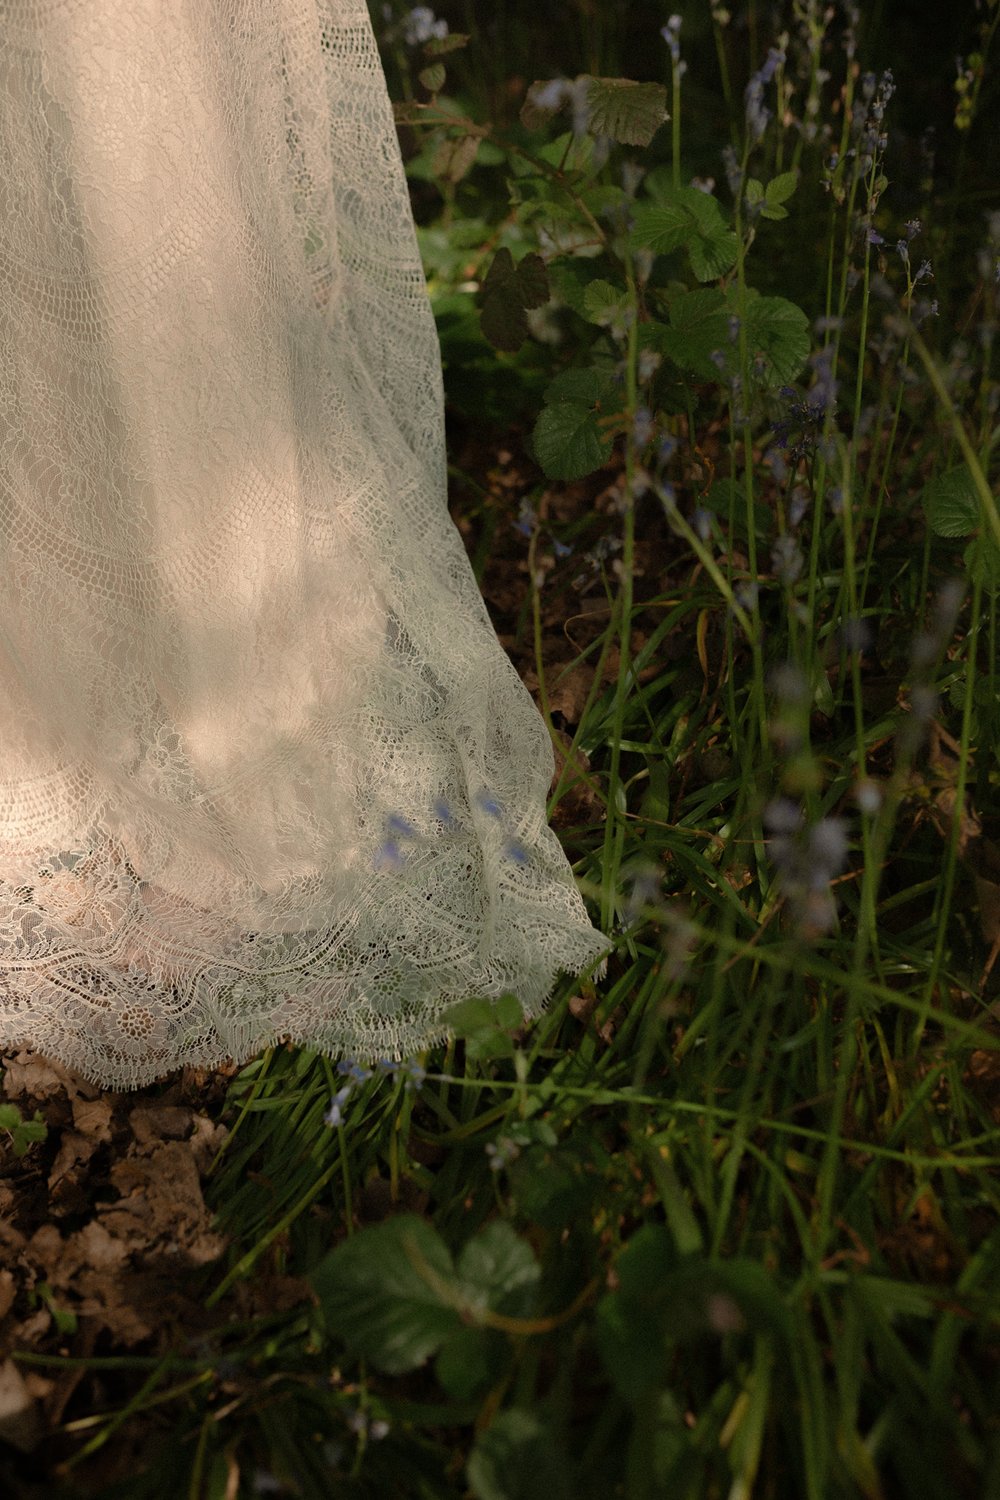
724,1224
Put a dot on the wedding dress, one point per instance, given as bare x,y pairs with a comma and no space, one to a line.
265,769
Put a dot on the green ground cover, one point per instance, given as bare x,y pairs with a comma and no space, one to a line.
723,402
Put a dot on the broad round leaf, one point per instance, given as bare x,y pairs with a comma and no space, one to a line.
627,111
516,1458
568,443
381,1292
433,77
951,502
779,331
500,1271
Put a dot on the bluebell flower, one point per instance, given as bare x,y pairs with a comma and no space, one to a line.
757,116
349,1067
335,1114
526,519
421,26
671,35
642,427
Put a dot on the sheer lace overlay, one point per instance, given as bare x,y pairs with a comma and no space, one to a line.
265,770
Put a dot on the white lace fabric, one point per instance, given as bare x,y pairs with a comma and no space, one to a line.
265,770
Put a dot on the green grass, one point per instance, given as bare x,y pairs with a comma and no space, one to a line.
724,1225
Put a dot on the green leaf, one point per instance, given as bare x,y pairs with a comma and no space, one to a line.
629,112
568,443
629,1333
485,1025
384,1291
589,387
607,305
775,212
777,336
433,78
507,293
777,331
982,558
551,1185
500,1270
469,1360
781,188
508,1012
517,1458
24,1133
469,1017
570,279
712,255
753,192
686,217
699,326
661,227
951,502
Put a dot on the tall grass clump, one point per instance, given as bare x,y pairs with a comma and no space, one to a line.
725,1225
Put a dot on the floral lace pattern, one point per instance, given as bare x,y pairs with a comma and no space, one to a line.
265,770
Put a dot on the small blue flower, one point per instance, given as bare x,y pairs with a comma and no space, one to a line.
526,519
400,827
516,852
561,549
420,26
335,1114
488,804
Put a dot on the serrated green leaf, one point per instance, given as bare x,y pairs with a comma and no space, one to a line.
568,442
381,1292
606,305
629,112
773,211
777,332
712,255
754,191
951,502
781,188
685,216
699,326
660,227
433,78
507,293
588,387
982,558
518,1458
499,1271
